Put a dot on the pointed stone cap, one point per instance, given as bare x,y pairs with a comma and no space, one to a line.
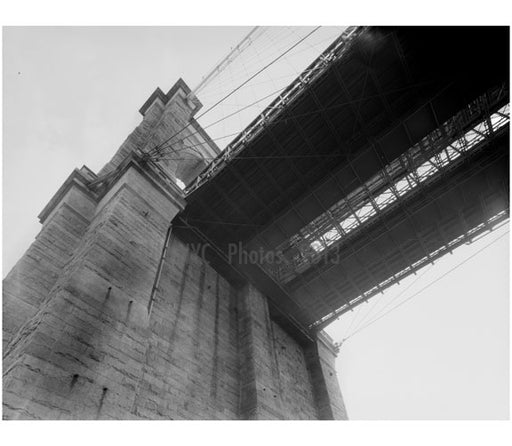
179,86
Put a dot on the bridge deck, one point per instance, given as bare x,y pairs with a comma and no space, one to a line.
392,99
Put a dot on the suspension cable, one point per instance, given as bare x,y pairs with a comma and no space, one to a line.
157,148
425,287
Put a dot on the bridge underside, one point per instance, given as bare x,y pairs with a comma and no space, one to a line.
390,154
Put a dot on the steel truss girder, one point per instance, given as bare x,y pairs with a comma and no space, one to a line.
467,236
333,53
432,145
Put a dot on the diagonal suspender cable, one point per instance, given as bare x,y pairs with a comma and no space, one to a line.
163,146
386,305
160,146
426,286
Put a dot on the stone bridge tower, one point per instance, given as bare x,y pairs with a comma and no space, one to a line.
109,315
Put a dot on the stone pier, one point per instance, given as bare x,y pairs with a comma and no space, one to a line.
109,315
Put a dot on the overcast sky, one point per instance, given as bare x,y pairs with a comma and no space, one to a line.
71,96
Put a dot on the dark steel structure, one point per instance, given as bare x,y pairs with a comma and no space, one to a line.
389,151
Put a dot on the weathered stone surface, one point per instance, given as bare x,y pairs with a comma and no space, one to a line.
188,149
275,378
27,285
100,324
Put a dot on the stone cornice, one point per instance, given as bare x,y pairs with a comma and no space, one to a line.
153,174
76,179
80,178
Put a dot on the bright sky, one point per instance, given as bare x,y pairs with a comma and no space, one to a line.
71,97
